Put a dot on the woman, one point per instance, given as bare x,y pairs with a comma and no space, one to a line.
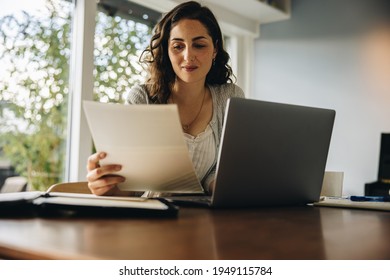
187,66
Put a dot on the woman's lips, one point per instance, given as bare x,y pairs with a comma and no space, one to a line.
190,68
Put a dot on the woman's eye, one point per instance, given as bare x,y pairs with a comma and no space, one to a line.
199,46
177,47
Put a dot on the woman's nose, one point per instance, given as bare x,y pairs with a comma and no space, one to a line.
189,55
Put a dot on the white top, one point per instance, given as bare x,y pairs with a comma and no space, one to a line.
202,151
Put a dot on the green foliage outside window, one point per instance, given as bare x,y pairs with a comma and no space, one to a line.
118,45
35,54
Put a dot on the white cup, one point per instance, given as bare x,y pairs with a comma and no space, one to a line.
332,184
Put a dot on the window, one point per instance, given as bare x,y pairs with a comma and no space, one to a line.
34,54
123,30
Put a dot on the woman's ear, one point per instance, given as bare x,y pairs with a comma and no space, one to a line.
215,50
215,54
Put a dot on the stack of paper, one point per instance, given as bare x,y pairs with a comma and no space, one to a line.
147,140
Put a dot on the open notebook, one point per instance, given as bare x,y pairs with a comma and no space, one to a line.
49,203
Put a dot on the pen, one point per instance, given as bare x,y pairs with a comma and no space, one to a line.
385,198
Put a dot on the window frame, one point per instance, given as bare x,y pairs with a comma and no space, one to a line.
241,32
79,145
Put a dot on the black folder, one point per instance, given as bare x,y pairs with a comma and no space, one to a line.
55,204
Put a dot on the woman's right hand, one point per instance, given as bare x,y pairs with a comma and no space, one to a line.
102,179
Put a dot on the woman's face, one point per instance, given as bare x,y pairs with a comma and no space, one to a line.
191,51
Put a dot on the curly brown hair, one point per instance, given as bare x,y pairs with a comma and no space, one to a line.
161,75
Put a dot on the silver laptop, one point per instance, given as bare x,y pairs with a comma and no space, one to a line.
271,154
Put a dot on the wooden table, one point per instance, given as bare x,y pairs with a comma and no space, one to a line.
268,233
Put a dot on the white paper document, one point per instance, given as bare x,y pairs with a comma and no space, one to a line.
147,141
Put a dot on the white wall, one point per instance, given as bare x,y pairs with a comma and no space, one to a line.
323,57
